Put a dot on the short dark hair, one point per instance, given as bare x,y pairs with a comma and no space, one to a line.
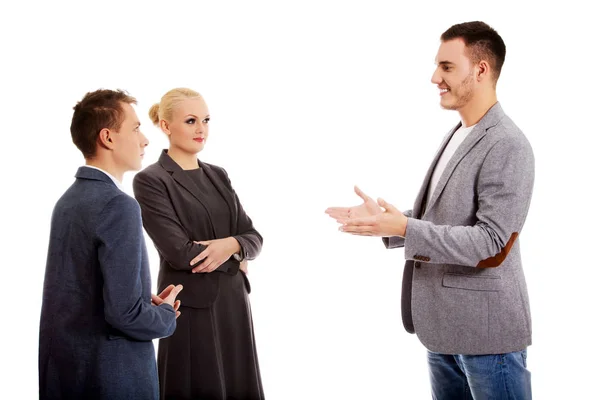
482,42
96,111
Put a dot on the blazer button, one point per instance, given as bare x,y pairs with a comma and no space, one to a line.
417,265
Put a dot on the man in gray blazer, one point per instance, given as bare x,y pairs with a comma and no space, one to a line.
98,316
463,289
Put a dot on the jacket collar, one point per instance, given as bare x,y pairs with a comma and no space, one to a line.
92,173
491,118
183,179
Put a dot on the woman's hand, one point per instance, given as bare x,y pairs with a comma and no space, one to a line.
216,253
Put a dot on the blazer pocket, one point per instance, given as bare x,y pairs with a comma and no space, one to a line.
472,282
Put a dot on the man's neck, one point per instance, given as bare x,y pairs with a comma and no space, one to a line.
472,112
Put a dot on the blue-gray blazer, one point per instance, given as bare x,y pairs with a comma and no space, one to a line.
97,321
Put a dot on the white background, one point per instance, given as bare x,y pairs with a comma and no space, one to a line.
308,99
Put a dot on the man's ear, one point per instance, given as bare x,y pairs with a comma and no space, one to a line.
105,139
483,69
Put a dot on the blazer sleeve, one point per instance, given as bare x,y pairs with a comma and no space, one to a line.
393,242
249,239
120,254
504,190
162,223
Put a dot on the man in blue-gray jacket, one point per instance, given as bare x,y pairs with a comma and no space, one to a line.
98,314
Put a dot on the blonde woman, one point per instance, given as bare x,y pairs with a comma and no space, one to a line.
203,237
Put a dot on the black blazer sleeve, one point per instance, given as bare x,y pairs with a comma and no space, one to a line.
250,240
162,223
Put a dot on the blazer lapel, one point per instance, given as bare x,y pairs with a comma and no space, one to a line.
226,194
490,119
180,177
419,205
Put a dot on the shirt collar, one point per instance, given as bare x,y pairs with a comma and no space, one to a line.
112,178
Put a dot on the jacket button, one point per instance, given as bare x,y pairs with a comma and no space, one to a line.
417,265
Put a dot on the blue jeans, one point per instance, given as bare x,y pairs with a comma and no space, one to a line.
484,377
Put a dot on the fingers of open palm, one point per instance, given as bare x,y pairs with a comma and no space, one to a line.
170,299
388,207
365,233
166,291
336,212
361,194
358,228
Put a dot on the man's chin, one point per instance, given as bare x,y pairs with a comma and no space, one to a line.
134,168
448,104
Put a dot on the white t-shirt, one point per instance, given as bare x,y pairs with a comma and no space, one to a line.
458,137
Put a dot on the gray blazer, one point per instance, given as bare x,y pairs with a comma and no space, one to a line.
463,289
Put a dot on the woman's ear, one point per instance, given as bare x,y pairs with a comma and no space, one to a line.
164,126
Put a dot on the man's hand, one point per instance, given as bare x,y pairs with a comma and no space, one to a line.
168,296
389,223
368,208
216,253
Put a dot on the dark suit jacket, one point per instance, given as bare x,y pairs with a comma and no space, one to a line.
174,216
97,321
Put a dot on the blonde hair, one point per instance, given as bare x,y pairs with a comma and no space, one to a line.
164,109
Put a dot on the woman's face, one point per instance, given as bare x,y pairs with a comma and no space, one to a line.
188,129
